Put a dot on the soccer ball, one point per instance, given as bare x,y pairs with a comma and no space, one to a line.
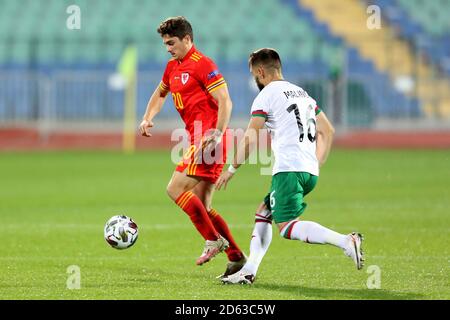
121,232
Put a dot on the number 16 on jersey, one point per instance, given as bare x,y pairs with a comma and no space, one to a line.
310,123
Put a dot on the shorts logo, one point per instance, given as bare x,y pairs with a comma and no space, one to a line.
184,78
213,74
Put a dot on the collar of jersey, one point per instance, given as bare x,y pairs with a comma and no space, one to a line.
188,55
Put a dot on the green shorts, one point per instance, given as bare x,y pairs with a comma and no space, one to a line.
287,191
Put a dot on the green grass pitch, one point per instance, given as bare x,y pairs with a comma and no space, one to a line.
53,207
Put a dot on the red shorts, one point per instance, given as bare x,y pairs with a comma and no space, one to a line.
205,167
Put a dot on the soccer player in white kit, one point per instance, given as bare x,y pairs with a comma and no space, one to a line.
301,140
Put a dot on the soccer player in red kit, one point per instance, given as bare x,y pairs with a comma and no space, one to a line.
201,97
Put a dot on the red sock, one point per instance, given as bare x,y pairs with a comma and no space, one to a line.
195,209
233,252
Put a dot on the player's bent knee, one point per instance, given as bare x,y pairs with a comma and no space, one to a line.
282,227
284,235
173,191
169,192
263,214
262,208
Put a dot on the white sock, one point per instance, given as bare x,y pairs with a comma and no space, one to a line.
312,232
261,239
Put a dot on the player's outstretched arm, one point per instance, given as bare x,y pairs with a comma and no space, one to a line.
325,133
246,146
222,96
249,142
154,106
225,105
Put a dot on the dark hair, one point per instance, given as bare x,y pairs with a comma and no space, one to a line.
267,57
176,27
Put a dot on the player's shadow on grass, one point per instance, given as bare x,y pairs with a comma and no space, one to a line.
327,293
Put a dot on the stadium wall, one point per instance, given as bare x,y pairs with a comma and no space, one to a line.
22,139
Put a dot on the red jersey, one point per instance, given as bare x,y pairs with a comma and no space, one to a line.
191,80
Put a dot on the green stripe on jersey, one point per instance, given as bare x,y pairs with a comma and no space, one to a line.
259,115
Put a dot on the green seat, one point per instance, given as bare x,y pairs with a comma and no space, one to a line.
20,52
69,53
432,15
222,29
91,52
111,52
47,51
5,27
3,53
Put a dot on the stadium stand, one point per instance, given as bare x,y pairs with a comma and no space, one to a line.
34,37
389,53
425,24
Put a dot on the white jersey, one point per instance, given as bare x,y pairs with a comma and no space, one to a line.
291,120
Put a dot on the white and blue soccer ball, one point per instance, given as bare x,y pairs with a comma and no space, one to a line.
121,232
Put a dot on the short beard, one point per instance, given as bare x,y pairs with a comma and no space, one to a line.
259,84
